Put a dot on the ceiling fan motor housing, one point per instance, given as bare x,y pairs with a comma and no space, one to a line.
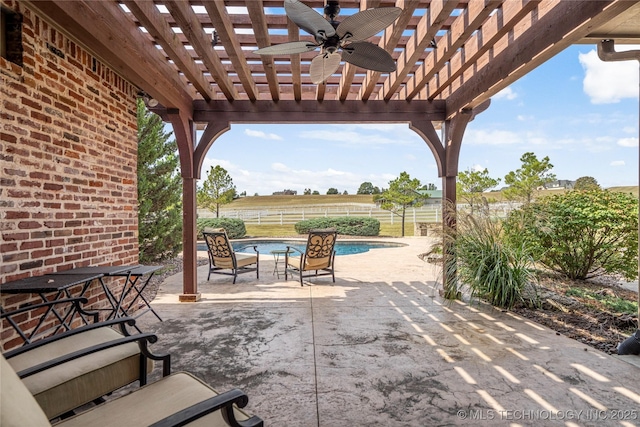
332,9
331,44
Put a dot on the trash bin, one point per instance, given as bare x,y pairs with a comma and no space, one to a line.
631,345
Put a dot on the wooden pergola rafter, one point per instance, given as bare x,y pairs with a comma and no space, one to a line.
452,57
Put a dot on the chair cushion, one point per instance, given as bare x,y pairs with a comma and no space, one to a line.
19,408
152,403
317,263
310,264
220,262
213,230
243,259
75,383
294,261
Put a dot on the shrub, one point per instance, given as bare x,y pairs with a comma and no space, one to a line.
484,261
233,226
347,225
581,234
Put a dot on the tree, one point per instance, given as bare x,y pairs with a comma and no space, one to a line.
402,194
345,193
368,188
307,192
159,189
216,190
315,193
586,183
524,182
472,184
332,191
429,187
581,234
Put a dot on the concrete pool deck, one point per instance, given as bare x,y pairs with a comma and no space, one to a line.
380,347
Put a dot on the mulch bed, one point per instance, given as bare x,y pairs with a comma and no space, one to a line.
582,318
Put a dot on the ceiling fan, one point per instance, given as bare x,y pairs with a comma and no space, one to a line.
338,40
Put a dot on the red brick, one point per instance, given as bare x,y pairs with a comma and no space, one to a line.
70,137
16,215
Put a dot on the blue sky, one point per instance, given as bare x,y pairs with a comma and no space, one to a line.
579,111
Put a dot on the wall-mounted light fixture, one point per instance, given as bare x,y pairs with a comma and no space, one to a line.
148,100
215,38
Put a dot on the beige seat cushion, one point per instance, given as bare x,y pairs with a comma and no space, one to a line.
142,407
152,403
213,230
311,263
75,383
243,259
18,408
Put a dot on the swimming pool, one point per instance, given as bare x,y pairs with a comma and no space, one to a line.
342,247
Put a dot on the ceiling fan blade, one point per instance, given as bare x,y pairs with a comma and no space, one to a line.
368,56
308,19
367,23
287,48
323,66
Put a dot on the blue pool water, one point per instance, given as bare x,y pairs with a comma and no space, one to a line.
342,248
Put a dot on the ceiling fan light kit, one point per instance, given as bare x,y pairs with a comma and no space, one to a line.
338,40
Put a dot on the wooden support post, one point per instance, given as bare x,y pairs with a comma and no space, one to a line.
449,218
189,242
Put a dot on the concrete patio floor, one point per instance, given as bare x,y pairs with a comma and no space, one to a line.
380,347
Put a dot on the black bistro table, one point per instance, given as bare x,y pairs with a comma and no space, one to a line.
60,285
134,285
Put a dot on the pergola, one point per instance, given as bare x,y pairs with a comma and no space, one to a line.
196,59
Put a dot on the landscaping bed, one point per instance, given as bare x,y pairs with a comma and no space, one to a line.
598,312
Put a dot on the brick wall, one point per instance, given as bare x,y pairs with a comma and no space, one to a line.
68,150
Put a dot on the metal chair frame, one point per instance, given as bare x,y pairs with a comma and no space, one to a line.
219,246
320,244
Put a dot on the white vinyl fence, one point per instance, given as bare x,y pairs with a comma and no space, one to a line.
290,215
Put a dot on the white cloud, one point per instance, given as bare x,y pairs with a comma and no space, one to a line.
506,93
237,10
609,82
279,167
617,163
261,134
211,162
628,142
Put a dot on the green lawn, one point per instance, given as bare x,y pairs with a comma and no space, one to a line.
252,202
386,230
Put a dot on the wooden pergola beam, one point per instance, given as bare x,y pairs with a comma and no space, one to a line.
120,44
152,20
261,32
223,25
514,58
201,43
310,111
